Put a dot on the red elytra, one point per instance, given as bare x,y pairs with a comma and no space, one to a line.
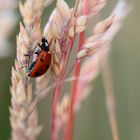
41,65
42,62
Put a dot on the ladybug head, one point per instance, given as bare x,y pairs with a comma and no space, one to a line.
44,45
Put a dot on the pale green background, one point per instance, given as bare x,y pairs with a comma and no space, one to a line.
92,121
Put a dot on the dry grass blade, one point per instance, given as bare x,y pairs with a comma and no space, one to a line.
110,100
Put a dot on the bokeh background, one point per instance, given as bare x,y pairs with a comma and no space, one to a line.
92,121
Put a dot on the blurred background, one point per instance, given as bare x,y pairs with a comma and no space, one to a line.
92,118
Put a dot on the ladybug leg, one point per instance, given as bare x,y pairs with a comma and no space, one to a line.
35,51
29,54
39,45
29,68
23,66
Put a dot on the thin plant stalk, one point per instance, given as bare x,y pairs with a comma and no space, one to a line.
70,124
110,100
57,91
76,5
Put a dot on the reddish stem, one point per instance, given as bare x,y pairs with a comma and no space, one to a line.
54,109
57,91
68,135
69,126
70,122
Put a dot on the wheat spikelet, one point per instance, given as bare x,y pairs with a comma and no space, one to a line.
23,110
105,31
24,120
41,84
93,7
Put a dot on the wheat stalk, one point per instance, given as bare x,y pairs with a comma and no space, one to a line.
24,119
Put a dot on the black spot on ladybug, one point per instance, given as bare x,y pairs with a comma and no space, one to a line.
37,73
47,66
42,60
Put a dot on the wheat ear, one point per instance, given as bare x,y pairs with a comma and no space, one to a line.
24,119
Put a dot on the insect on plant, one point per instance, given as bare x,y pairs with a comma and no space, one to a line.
42,62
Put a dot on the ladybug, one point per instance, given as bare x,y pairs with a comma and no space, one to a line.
42,61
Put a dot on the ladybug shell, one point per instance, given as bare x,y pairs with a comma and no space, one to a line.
42,64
